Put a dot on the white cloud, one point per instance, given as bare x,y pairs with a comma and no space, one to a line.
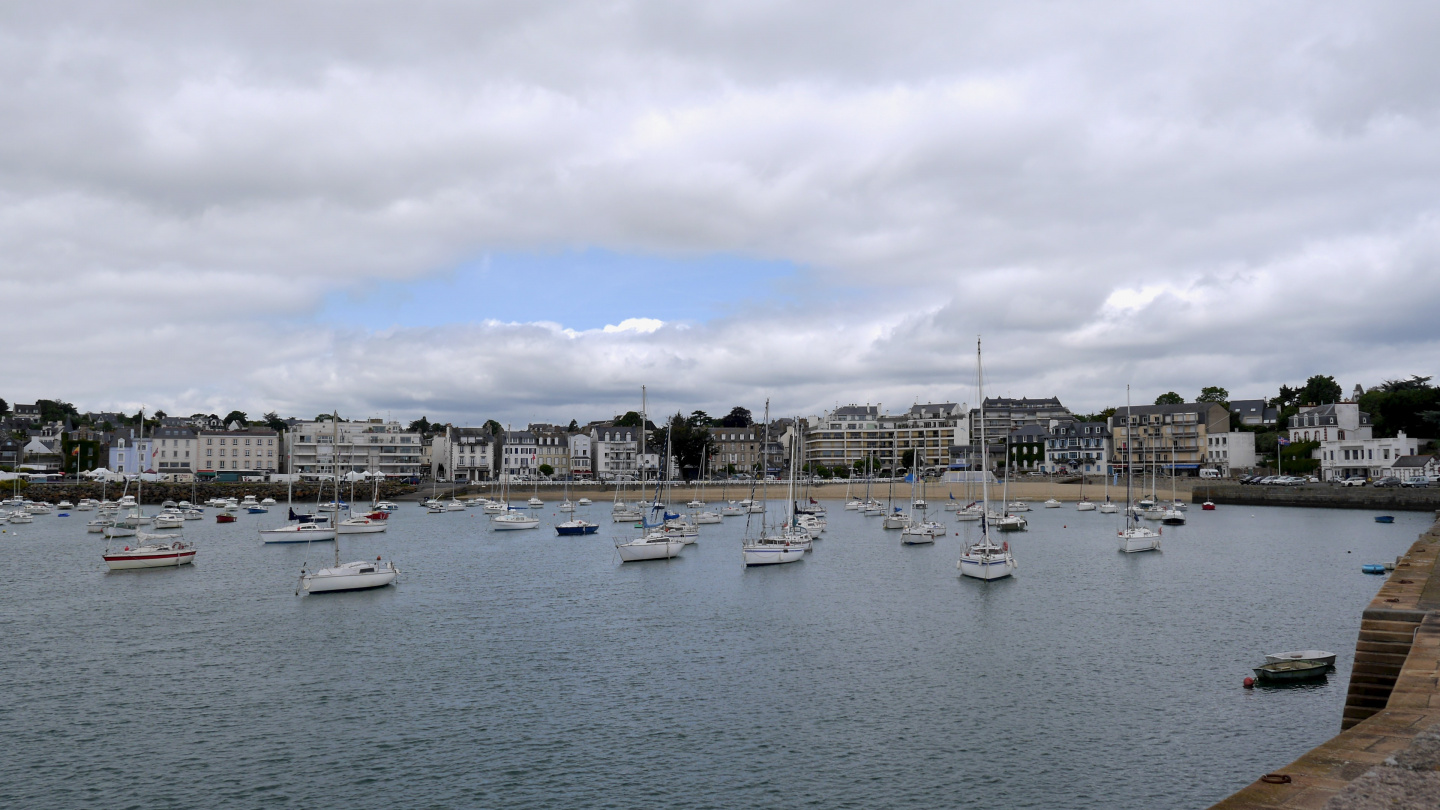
1169,196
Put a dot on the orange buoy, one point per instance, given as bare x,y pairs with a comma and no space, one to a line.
1249,682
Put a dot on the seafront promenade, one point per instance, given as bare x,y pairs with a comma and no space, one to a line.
1388,755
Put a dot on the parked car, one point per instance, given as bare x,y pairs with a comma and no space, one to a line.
1353,481
1418,481
1387,481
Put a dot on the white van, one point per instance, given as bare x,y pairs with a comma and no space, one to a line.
1209,472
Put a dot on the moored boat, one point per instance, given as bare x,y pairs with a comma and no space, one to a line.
1290,671
575,527
155,551
1319,656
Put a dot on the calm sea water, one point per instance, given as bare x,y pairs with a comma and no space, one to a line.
521,669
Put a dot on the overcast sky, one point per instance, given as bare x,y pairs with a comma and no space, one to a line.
525,210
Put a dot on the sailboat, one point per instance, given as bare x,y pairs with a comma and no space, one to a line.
360,523
895,517
566,505
983,559
918,530
702,515
1084,504
653,543
360,575
306,528
772,547
512,518
1134,537
152,550
1174,515
851,504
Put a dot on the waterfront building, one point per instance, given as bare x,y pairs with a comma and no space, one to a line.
250,451
852,433
1409,468
463,454
1077,447
9,453
518,454
552,447
735,449
613,451
373,445
1175,438
29,414
580,465
1336,420
1027,448
175,449
130,454
1231,452
1004,415
1363,458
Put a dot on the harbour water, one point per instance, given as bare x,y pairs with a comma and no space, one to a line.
521,669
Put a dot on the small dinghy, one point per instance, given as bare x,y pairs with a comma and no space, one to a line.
1317,656
1290,671
1373,568
1384,518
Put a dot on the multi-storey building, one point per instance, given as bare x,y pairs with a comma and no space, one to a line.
552,448
853,433
463,454
250,450
1364,458
1172,438
1081,447
319,450
1230,452
1004,415
175,450
580,465
1334,421
130,454
518,455
1254,412
735,449
614,451
1027,447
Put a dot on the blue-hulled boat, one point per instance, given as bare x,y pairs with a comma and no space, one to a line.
1373,568
1384,518
575,527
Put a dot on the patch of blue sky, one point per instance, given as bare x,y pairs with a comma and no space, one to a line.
579,290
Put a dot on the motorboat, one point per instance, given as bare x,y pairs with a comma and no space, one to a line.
513,520
695,504
359,524
1319,656
351,576
225,517
298,533
256,510
708,517
454,506
169,520
1384,518
1010,523
85,505
20,516
65,506
814,524
651,546
584,501
493,508
98,525
565,506
574,527
1207,506
971,512
1017,506
249,501
38,508
192,514
534,502
385,506
1084,506
731,509
153,551
1051,504
1173,517
335,506
267,502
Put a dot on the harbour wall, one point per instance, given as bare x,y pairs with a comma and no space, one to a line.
1385,499
1388,751
160,492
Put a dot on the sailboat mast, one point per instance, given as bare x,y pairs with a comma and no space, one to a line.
1129,456
984,451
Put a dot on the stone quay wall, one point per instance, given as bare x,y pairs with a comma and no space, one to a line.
1385,499
159,492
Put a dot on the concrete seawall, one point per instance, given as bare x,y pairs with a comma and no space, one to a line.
1388,753
1386,499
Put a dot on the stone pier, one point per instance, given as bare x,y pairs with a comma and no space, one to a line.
1388,753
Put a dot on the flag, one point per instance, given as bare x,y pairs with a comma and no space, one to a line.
1282,441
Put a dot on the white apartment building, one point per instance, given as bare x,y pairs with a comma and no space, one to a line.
519,455
1364,458
1230,452
253,450
175,450
580,464
316,451
1335,421
614,451
852,433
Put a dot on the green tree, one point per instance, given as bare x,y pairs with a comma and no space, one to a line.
1319,390
737,418
493,427
237,416
907,459
421,425
54,410
546,470
689,444
574,426
700,419
1407,409
319,417
1214,393
1169,398
4,407
1415,383
274,422
630,419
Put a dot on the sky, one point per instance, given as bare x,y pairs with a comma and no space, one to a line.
527,211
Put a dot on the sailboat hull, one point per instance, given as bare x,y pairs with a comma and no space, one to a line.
640,552
986,568
323,582
772,555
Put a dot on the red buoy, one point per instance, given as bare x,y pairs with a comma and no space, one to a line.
1249,682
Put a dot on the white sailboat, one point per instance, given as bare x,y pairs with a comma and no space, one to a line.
772,547
1134,537
511,518
919,530
302,530
652,544
983,559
